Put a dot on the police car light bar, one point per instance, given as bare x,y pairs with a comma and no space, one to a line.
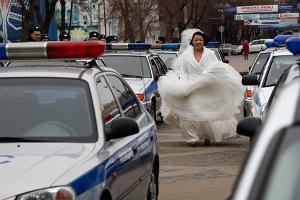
270,44
293,45
213,44
128,46
141,46
280,39
51,50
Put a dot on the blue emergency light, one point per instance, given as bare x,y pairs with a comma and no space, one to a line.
293,45
51,50
128,46
213,44
141,46
280,39
270,44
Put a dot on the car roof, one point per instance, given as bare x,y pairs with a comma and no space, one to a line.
129,53
53,71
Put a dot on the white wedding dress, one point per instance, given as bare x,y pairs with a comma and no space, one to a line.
201,98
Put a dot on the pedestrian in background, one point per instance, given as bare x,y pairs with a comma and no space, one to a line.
94,36
161,39
112,39
64,37
44,38
245,49
102,38
34,34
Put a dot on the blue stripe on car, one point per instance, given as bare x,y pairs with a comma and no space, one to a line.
151,88
104,170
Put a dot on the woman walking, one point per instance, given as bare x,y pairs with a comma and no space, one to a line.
200,95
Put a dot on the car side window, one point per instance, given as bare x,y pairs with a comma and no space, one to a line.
260,63
127,100
109,106
161,68
154,67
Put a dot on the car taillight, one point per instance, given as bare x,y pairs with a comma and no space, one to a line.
248,93
141,97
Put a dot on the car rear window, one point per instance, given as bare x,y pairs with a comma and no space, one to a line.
47,110
129,65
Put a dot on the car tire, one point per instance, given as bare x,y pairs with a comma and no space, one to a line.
152,189
153,111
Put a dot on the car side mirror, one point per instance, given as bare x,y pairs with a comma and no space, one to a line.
250,79
122,127
248,126
225,61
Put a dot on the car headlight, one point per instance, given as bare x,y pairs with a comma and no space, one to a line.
57,193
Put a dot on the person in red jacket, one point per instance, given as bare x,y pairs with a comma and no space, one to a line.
246,49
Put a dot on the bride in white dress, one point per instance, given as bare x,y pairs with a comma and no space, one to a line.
201,95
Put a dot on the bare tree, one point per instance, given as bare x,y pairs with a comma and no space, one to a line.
136,16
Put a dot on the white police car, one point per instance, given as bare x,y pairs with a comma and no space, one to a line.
70,132
141,69
272,170
279,59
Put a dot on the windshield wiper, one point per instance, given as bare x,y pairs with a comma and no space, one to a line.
19,139
130,75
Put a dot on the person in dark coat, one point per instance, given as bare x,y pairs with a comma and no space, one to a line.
102,38
44,38
112,39
64,37
94,36
34,34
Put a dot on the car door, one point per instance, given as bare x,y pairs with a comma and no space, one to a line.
140,165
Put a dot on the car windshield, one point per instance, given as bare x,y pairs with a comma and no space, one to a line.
260,63
46,109
279,64
45,63
129,66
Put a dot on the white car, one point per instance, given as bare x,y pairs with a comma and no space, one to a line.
258,45
272,169
264,81
72,131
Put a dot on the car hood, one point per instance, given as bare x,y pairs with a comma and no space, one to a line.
26,167
138,84
266,92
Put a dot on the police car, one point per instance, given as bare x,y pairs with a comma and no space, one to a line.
72,132
141,69
272,169
278,60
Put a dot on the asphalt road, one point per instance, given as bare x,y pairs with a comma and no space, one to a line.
201,172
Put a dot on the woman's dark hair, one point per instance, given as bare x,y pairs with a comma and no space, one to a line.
205,38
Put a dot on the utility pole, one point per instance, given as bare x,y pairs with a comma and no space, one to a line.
104,16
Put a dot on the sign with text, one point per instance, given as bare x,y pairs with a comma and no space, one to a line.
266,16
264,8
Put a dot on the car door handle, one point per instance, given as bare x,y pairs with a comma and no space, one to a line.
134,148
151,136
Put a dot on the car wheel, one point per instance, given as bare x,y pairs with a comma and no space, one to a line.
153,111
152,190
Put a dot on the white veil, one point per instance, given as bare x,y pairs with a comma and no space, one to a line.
186,37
